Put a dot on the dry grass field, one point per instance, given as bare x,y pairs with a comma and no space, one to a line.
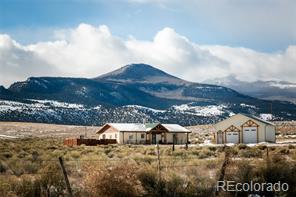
30,167
24,130
29,164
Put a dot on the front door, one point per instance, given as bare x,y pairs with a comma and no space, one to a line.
153,138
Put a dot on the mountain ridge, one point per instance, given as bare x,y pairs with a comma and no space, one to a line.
110,97
142,73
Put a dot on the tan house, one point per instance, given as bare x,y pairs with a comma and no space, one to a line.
136,133
242,128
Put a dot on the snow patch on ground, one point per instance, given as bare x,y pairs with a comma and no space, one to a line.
7,137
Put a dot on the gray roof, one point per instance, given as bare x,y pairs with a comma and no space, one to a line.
175,128
128,126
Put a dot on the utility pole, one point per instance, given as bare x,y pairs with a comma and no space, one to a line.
271,110
65,177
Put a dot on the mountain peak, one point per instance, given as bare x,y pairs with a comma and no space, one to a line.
139,73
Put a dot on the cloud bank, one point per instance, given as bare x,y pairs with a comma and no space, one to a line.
88,51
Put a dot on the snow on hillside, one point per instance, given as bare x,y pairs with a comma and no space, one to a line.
50,111
210,110
248,106
52,103
37,105
145,108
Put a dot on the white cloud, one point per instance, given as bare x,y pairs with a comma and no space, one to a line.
89,51
17,62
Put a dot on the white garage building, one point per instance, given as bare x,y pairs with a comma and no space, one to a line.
242,128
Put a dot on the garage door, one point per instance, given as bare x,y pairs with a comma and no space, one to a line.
232,137
250,135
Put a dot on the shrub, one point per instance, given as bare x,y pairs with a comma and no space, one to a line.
212,148
250,152
3,167
151,184
205,153
232,151
30,167
242,146
279,169
27,187
52,180
6,154
16,166
75,154
119,180
272,148
22,154
5,186
262,147
35,156
171,185
284,151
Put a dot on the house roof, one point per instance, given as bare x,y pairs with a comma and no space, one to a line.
138,127
175,128
128,126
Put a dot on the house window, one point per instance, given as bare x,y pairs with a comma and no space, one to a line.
130,137
115,136
110,137
142,136
104,136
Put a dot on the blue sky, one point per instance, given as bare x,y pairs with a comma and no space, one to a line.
234,23
192,39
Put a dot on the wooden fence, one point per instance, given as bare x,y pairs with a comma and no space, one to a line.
88,142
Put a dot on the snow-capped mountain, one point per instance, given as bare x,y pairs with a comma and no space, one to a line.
270,90
132,93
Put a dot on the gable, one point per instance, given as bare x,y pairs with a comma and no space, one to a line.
232,128
106,129
158,128
238,120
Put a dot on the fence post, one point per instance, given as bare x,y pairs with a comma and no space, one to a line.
187,142
174,142
158,158
66,177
